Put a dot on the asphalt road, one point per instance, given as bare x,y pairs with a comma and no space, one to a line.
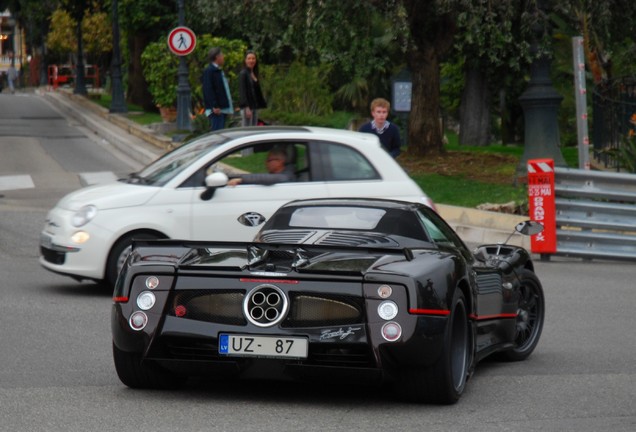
56,369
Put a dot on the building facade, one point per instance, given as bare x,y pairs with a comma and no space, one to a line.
12,42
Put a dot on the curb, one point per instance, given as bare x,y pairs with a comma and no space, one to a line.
160,141
483,227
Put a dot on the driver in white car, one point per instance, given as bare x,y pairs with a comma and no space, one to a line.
278,171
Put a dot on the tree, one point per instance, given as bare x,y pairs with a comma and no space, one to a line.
77,9
608,28
33,15
306,30
432,26
357,55
361,54
142,22
96,33
61,37
493,40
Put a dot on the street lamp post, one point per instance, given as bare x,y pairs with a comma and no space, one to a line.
80,82
540,103
117,103
183,86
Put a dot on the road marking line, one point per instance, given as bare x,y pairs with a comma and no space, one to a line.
16,182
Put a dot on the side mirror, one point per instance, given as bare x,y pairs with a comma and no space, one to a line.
213,181
529,227
216,179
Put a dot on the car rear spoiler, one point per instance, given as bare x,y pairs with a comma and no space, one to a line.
253,249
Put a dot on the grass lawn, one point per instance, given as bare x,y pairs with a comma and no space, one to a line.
470,176
135,112
464,192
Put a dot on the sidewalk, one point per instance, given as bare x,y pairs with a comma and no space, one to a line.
144,145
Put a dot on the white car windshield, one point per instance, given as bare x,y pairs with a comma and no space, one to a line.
171,164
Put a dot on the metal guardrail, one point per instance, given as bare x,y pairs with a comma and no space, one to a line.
595,214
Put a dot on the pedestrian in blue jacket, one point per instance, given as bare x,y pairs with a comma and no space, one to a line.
217,100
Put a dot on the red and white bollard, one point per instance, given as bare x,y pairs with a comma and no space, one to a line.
542,206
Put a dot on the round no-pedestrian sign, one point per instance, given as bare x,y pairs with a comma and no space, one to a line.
182,41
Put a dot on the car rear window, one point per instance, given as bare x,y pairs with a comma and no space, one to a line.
362,218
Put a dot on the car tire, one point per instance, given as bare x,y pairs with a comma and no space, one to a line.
444,381
530,317
120,251
138,375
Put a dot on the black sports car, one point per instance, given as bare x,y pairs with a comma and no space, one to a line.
339,289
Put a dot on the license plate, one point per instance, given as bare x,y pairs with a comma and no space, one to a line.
46,241
262,346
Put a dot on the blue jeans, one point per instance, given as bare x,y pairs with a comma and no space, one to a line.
217,121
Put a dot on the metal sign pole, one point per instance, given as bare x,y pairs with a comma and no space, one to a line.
580,92
183,86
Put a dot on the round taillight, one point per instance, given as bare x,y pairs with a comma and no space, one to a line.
391,331
152,282
146,300
138,321
385,291
387,310
180,310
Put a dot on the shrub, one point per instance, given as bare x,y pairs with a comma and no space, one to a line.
337,120
233,51
160,70
161,67
297,88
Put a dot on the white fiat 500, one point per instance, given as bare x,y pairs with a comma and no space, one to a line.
185,193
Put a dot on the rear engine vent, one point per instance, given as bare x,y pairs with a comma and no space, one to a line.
223,307
311,311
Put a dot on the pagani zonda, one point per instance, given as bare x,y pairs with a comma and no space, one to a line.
334,289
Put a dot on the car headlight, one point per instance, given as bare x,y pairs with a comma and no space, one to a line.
84,215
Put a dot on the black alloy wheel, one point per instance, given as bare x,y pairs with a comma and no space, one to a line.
444,382
530,317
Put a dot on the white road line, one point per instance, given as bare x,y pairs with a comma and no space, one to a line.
16,182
